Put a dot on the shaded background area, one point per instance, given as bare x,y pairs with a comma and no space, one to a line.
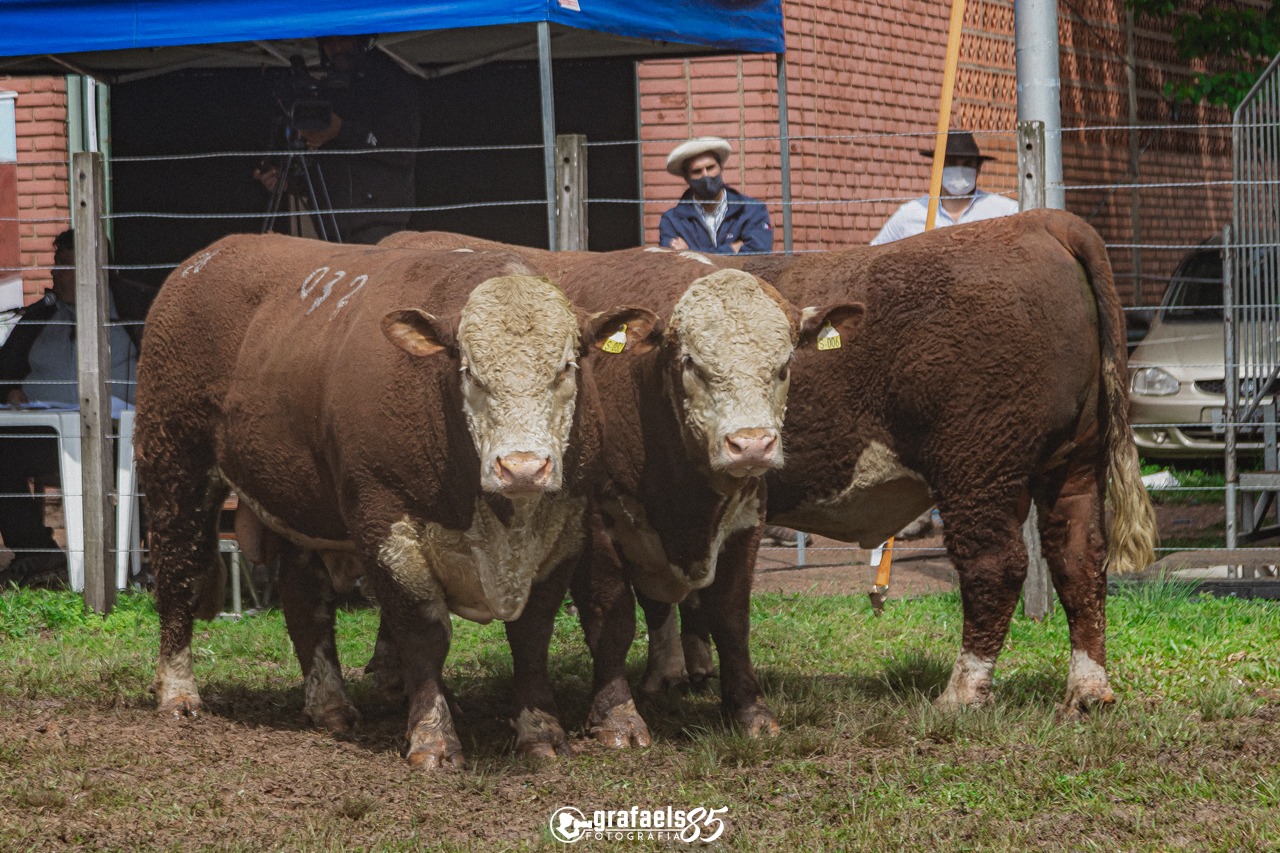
232,112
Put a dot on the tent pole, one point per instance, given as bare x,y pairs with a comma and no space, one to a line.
784,134
548,129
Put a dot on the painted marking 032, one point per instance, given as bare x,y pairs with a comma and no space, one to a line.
312,281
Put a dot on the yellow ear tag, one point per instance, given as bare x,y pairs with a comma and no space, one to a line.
616,342
828,338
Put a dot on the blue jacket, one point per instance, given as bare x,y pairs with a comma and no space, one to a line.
745,219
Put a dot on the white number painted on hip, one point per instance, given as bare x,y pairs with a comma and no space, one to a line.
312,281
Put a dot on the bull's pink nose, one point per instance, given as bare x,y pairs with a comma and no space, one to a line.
523,470
752,446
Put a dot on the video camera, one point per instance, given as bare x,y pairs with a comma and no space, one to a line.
301,97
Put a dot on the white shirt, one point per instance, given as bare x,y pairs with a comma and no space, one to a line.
52,359
715,218
910,218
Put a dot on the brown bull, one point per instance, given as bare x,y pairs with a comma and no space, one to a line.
690,427
414,416
989,376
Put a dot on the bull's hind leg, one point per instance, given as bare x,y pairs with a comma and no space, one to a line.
307,598
984,540
536,719
727,603
607,611
184,495
1072,541
679,646
664,668
695,641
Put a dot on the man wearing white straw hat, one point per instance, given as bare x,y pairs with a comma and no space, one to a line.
961,200
710,216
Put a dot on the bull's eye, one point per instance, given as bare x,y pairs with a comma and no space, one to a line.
470,377
784,371
691,366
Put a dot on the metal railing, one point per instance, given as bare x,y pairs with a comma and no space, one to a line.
1251,289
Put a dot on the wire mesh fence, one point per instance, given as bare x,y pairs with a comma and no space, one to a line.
1158,222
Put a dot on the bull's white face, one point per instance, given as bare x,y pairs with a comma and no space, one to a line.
734,345
518,344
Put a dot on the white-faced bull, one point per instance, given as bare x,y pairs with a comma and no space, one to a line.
426,419
989,378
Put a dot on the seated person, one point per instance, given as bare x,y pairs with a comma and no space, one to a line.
38,365
710,216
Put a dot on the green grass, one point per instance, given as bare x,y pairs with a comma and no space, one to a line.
1189,758
1201,485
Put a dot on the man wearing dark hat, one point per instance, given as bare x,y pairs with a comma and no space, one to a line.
712,217
961,200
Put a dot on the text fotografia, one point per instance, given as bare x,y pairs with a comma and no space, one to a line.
568,824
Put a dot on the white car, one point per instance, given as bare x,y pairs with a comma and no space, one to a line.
1177,388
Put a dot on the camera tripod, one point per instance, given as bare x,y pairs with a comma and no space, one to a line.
296,162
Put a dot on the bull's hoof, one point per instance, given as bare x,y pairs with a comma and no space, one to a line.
958,697
622,728
435,753
698,662
757,721
1082,699
700,680
656,683
180,707
539,735
432,742
340,719
388,682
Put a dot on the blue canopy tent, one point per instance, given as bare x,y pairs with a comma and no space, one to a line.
116,41
122,40
44,27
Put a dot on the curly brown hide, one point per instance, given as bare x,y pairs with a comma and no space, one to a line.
990,373
324,383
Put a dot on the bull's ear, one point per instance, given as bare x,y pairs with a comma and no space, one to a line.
417,332
829,327
629,329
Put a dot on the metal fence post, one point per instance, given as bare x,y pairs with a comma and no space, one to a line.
571,183
1232,389
94,366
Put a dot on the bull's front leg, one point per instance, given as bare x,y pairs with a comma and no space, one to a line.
416,618
422,633
308,599
534,716
607,611
727,604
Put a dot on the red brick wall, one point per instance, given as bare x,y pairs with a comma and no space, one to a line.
863,84
43,189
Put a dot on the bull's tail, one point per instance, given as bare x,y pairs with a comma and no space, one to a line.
1132,539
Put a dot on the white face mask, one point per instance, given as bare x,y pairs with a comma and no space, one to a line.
959,180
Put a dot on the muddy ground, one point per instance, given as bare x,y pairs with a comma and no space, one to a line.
250,774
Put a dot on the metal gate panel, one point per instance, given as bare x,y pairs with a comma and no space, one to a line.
1251,283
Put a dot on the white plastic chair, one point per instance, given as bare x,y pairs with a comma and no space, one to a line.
128,521
66,423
